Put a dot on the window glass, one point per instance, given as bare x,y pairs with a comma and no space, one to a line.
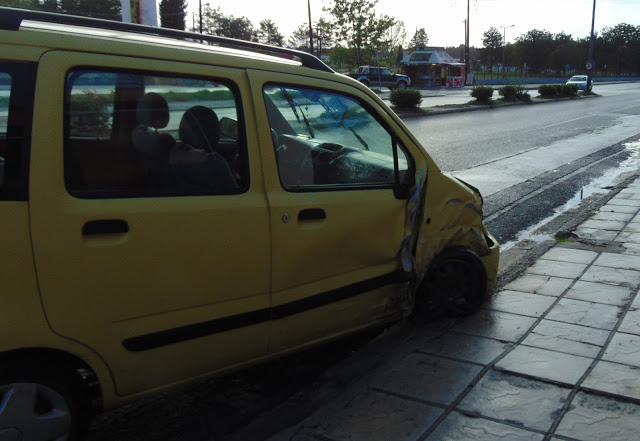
134,134
325,140
5,95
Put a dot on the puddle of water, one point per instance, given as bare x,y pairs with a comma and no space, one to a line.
599,185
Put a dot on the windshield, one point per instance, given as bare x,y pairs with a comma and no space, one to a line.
578,78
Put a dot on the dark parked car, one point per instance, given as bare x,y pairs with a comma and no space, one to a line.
381,77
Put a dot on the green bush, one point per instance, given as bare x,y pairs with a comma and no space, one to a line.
482,94
547,91
509,93
570,89
522,94
405,98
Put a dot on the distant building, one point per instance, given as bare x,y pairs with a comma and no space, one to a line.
139,11
432,67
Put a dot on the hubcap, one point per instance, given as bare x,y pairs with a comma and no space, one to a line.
34,412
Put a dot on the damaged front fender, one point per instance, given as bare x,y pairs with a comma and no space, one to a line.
452,217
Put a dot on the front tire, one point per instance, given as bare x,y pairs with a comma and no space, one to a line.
455,281
43,407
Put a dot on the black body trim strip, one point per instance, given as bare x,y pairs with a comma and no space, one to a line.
197,330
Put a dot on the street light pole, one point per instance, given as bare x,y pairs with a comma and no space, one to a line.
200,14
504,45
310,28
466,46
590,62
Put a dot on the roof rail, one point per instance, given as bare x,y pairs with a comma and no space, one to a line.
11,18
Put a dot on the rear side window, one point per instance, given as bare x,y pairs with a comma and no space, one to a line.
16,112
132,134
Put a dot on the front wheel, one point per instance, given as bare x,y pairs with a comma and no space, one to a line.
43,408
402,85
455,281
365,82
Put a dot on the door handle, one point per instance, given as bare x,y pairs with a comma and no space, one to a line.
309,214
105,226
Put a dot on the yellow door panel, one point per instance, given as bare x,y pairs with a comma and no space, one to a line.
164,286
336,222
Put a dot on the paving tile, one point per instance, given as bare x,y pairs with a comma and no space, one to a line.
556,269
522,303
464,347
614,378
624,348
542,363
625,202
498,325
633,227
537,284
600,293
527,403
570,255
612,260
567,338
618,209
636,302
595,315
426,377
628,193
631,248
596,418
458,427
376,416
627,236
596,234
613,215
631,322
613,276
609,225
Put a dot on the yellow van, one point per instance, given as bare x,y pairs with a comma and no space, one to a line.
174,205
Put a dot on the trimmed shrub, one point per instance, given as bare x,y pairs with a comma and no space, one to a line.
509,93
547,91
405,98
482,94
522,94
570,89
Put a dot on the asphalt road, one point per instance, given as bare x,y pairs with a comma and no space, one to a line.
529,161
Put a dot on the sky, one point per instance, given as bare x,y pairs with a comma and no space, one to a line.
443,19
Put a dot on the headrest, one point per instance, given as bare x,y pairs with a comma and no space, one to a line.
200,127
153,111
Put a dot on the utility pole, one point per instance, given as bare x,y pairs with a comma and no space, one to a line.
590,62
310,28
200,14
504,47
466,46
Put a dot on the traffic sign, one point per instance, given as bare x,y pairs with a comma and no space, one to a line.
589,65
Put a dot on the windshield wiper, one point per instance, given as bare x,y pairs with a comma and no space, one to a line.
295,111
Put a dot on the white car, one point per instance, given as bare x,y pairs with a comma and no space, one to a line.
578,80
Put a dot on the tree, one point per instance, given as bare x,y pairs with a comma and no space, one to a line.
323,35
492,42
535,48
107,9
394,37
355,23
299,39
214,22
268,33
420,38
173,13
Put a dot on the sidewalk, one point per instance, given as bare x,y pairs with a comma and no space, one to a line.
555,354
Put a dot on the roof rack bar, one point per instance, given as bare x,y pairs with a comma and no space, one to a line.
11,19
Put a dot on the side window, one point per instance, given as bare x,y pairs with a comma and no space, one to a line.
327,141
17,85
5,96
133,134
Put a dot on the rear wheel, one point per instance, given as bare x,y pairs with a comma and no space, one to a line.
402,85
365,82
456,282
40,407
